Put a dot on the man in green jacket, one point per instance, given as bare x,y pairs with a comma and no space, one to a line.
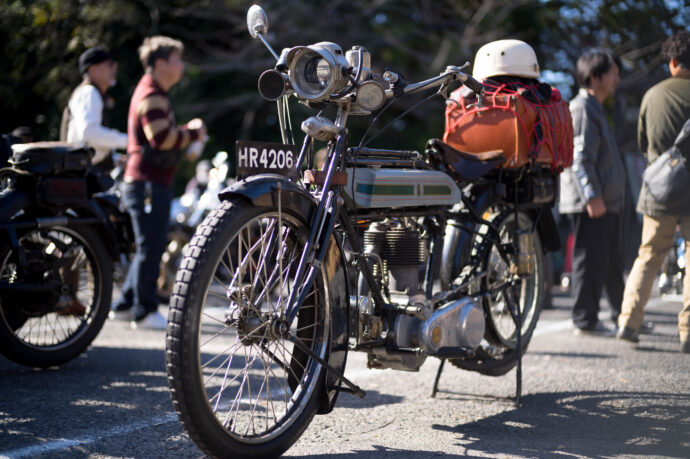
665,108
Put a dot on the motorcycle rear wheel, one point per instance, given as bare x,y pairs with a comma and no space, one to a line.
497,354
239,389
54,332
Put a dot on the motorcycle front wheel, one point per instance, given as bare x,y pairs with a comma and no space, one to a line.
240,388
48,328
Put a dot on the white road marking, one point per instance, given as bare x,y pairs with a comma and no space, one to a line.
34,450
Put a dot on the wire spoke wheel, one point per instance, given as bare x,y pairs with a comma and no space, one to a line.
496,354
526,291
244,388
62,297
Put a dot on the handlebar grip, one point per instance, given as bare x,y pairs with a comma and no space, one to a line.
474,85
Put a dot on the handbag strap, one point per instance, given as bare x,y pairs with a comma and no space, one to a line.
682,142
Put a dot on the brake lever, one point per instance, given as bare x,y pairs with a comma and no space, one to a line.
476,87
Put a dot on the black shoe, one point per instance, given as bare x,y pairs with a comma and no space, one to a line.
599,329
628,334
646,328
685,347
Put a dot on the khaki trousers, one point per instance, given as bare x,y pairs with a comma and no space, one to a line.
657,240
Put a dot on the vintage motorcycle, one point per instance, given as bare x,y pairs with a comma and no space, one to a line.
59,236
386,252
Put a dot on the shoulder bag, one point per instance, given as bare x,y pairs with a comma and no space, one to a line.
668,178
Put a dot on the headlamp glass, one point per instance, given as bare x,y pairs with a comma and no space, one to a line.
312,74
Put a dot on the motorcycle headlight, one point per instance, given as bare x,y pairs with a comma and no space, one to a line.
316,71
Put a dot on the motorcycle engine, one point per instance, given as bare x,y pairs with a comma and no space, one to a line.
401,255
403,252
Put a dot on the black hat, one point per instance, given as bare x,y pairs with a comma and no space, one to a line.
92,56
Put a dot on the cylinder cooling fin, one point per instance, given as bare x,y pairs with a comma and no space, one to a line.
396,244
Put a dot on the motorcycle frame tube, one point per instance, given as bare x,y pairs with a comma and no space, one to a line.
262,190
457,248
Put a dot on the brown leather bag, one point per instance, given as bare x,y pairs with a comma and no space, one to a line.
528,133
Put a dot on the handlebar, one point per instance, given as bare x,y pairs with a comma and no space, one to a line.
452,73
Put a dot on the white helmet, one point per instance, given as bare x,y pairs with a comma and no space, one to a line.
505,57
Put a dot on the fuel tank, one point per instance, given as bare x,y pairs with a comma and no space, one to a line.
391,188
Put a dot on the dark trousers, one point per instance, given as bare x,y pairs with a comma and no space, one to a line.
149,206
597,266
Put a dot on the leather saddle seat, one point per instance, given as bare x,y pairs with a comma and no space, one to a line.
51,158
463,165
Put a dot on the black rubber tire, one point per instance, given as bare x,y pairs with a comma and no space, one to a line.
497,356
183,354
84,332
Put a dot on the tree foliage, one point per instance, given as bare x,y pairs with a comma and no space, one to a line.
41,41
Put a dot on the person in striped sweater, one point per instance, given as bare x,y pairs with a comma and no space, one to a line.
155,146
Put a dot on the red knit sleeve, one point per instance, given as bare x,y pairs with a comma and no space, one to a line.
155,114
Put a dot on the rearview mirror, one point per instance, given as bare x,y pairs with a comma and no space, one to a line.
257,21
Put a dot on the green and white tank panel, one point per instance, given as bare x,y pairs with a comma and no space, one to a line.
391,188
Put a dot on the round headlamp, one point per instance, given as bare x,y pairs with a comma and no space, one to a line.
316,71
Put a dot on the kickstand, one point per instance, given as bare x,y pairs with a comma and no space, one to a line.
438,377
516,314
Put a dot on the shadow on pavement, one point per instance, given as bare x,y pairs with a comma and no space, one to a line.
106,391
102,387
589,424
373,398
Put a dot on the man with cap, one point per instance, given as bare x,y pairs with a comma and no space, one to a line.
84,118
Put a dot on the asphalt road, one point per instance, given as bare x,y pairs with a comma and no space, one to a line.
582,397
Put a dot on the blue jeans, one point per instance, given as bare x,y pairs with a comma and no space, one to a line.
149,206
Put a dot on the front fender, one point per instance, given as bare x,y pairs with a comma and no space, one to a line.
105,229
338,282
12,201
264,190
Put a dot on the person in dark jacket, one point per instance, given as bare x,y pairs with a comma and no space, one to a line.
665,109
592,194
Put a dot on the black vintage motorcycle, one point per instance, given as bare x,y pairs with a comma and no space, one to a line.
393,253
59,236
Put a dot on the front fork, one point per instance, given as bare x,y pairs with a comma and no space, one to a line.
322,225
321,229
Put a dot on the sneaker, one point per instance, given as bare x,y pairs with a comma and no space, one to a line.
646,328
124,315
628,334
151,321
685,347
600,329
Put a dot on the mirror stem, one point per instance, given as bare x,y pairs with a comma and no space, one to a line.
265,42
